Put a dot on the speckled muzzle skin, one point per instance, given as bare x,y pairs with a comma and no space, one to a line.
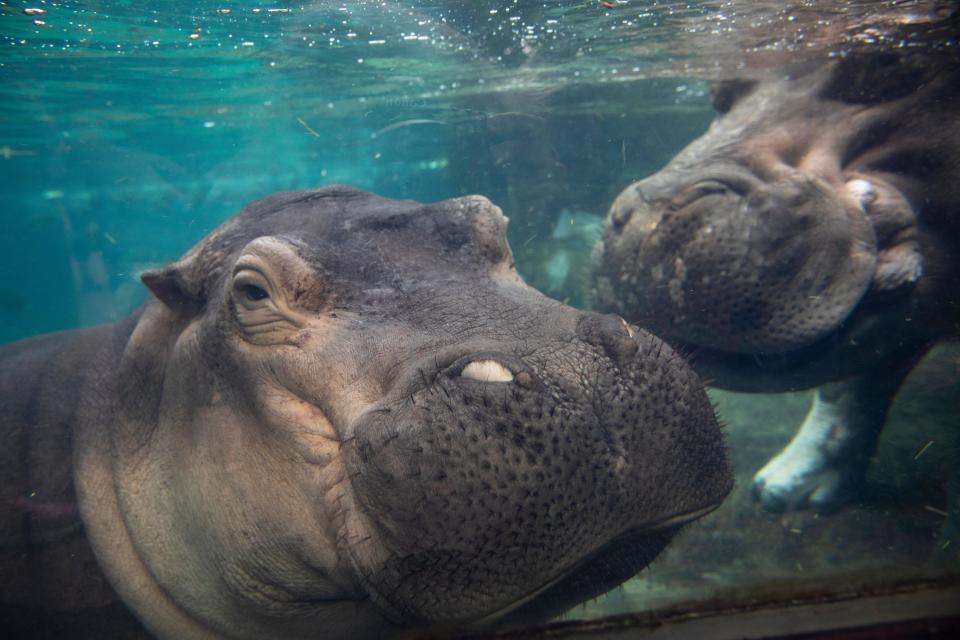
731,262
559,484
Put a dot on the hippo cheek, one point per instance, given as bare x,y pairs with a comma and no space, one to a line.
769,271
485,494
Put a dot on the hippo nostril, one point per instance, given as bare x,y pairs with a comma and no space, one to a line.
487,371
620,216
610,332
622,348
524,379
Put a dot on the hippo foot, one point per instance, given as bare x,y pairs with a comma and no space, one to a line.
823,466
803,476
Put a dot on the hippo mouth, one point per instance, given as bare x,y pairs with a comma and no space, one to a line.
613,563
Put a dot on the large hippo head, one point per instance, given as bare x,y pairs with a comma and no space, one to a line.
343,414
803,235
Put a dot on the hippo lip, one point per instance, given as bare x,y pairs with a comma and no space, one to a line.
680,518
799,368
669,522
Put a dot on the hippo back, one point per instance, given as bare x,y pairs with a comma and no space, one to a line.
49,577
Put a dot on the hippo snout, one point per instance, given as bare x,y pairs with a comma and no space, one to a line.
508,473
739,265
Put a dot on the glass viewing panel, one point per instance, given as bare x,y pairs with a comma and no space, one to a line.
802,255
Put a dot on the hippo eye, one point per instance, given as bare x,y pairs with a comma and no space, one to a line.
250,288
863,192
253,292
698,191
258,291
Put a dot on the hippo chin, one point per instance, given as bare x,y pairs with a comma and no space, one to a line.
342,416
808,238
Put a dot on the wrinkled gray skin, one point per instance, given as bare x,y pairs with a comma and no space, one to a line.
810,237
339,416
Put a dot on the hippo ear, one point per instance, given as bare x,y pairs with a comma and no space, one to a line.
726,93
871,79
174,287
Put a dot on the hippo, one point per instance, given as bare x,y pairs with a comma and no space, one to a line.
809,239
341,415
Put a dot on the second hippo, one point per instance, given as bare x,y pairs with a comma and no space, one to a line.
809,238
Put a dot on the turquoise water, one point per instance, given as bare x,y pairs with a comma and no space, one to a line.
130,129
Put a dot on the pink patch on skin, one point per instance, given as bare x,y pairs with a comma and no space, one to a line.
47,509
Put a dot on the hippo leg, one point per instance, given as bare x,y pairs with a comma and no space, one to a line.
823,465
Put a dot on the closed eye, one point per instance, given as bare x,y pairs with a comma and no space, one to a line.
697,191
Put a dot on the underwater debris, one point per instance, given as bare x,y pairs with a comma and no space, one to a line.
308,127
404,123
7,152
923,450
